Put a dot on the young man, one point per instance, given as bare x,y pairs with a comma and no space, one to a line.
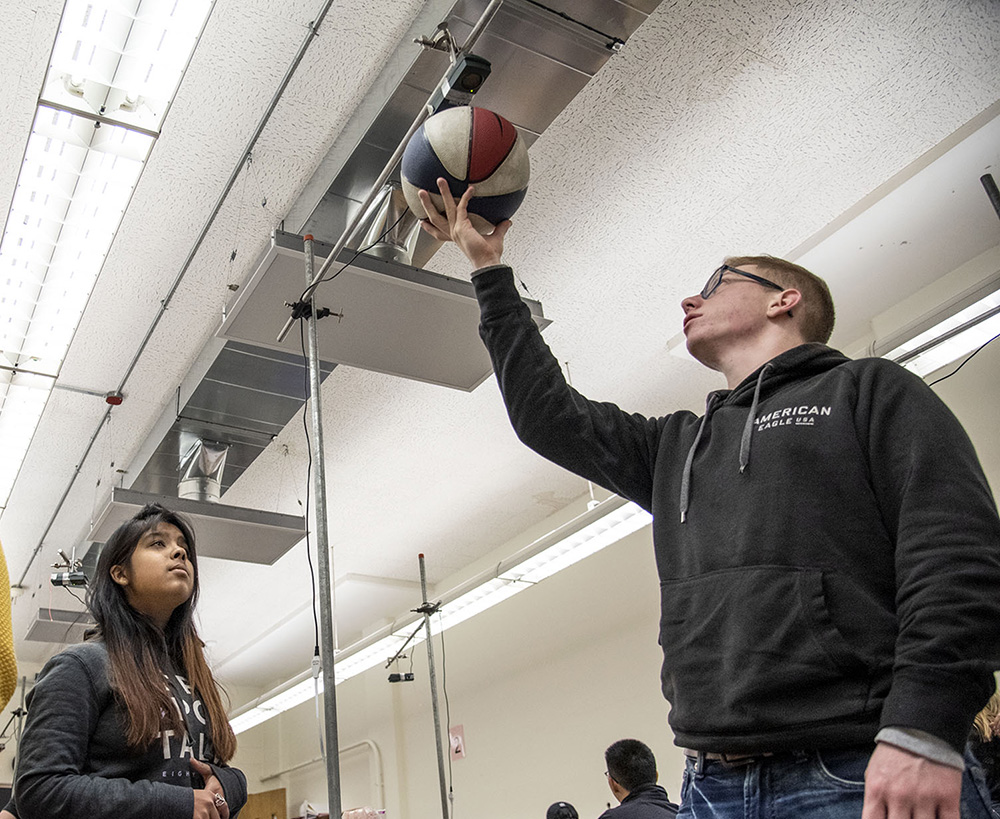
632,778
827,546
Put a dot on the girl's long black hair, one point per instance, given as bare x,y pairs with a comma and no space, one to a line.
139,653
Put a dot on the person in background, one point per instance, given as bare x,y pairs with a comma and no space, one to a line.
984,742
130,723
561,810
632,777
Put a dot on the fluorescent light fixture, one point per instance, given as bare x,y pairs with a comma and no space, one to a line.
952,338
599,527
957,328
122,60
275,703
22,399
115,68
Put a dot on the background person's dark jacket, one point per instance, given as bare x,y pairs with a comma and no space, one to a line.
644,802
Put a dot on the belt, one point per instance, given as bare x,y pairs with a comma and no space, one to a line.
732,760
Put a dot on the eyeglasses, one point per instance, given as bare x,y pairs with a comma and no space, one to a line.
716,279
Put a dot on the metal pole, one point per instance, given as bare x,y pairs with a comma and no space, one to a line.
324,560
432,675
390,166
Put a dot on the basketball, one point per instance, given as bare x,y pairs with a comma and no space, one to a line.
468,146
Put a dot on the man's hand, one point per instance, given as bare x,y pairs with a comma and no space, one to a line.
902,785
207,800
454,226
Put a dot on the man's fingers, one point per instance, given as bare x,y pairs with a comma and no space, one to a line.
433,214
434,231
501,230
462,208
449,200
873,808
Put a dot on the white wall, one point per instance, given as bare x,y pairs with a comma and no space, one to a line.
543,683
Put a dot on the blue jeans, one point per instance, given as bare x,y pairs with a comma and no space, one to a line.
814,784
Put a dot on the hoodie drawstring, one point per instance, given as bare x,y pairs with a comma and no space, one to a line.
748,427
686,475
744,442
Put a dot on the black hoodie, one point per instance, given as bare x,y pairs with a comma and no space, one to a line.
827,544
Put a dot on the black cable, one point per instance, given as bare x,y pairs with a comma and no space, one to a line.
967,360
350,261
305,423
447,705
305,427
79,616
81,601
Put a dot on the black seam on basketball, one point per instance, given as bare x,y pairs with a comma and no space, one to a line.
472,133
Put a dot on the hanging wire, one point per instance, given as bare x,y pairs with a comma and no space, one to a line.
447,711
350,261
282,477
312,570
305,427
262,195
967,360
305,421
239,223
80,599
307,392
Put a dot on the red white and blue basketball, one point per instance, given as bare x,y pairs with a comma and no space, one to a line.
468,146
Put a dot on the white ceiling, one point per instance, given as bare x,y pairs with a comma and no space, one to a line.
725,127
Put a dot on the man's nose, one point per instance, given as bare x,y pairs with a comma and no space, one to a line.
690,303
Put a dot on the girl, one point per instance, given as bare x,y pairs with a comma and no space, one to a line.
130,723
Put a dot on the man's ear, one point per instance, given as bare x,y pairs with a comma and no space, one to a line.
119,575
783,302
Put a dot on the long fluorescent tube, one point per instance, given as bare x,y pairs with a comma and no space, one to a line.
954,329
115,68
598,527
122,60
951,338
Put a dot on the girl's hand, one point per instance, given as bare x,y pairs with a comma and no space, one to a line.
211,796
204,805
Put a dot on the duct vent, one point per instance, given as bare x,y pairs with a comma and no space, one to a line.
59,626
226,532
387,317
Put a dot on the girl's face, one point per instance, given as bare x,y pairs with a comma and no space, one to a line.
159,576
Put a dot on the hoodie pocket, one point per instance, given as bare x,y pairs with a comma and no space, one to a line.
754,650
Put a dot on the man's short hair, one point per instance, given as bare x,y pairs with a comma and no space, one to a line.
631,763
817,310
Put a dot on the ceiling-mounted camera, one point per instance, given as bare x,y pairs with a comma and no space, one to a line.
466,77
